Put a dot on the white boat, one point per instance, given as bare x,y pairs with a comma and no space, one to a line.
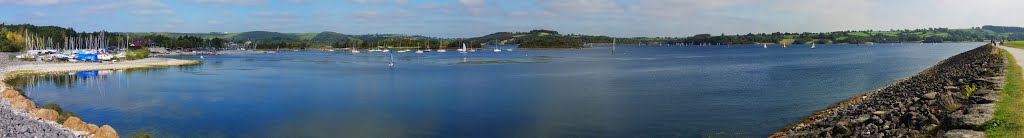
508,49
812,46
463,49
497,50
765,45
401,51
385,50
107,56
355,51
419,51
442,50
613,46
332,50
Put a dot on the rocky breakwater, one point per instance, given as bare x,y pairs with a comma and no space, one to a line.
42,122
949,99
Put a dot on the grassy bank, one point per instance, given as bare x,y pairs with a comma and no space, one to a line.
1010,108
1015,44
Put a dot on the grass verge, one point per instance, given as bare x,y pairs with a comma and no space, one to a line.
1009,109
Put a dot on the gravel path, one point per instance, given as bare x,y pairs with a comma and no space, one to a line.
1017,53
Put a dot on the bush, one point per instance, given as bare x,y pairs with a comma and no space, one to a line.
137,54
53,107
64,116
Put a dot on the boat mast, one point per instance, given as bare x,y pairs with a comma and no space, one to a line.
613,46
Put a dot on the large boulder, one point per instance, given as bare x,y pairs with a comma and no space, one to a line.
10,93
75,123
20,102
45,114
972,116
961,133
93,128
105,132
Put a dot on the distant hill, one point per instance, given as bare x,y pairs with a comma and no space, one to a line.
1004,29
264,35
330,37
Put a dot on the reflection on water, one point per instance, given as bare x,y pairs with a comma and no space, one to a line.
650,92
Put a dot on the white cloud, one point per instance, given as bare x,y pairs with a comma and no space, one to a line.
153,12
278,14
39,14
124,4
581,6
231,2
474,7
214,22
37,2
399,2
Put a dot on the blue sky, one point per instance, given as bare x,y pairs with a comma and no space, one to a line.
469,18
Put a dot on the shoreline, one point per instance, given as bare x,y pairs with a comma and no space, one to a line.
933,102
21,108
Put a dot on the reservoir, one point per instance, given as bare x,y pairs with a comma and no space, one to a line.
641,91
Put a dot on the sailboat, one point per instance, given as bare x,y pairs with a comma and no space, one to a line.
783,45
812,46
391,63
440,48
463,50
496,49
613,45
765,45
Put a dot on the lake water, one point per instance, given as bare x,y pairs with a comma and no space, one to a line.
644,91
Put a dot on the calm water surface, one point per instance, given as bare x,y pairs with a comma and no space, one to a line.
647,91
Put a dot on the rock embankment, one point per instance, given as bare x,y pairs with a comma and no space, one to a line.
948,99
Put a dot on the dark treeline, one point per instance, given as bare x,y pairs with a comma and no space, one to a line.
18,37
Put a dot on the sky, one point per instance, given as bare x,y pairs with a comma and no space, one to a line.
471,18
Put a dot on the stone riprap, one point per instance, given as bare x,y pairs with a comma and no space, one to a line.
948,99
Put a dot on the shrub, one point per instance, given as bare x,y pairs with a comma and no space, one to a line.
53,107
64,116
137,54
969,90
